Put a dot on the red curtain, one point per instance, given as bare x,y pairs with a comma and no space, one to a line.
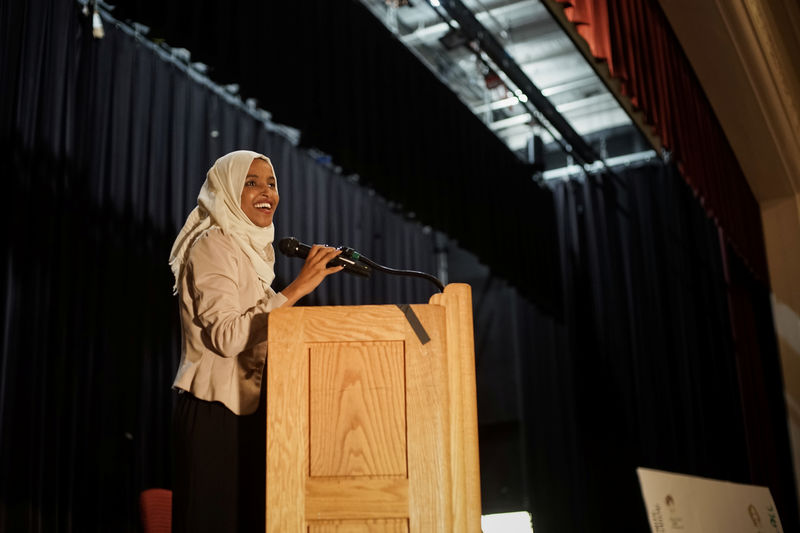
636,40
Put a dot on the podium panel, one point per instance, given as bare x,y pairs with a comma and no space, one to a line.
369,526
357,415
368,429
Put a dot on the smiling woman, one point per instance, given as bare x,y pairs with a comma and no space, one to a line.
223,264
260,193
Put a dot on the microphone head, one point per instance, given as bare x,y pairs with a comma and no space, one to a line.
289,246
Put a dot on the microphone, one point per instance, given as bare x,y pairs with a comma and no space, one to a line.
291,247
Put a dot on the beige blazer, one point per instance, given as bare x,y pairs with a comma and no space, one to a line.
223,310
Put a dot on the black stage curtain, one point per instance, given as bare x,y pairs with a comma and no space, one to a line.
336,73
641,370
762,391
631,361
104,147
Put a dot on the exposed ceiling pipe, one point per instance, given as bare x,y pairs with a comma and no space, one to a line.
474,30
571,85
519,11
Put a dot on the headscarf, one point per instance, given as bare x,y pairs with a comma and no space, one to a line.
219,205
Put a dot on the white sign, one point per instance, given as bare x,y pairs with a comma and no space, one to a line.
688,504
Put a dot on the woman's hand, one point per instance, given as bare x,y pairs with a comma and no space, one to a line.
314,270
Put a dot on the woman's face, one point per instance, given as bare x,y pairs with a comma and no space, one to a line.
260,193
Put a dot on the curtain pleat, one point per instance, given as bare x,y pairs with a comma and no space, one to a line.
635,38
106,145
356,92
624,357
644,368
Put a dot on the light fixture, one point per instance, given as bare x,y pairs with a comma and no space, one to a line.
519,522
97,23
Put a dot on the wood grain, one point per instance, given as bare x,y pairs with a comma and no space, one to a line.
392,525
465,466
340,324
350,498
368,430
357,409
287,422
430,492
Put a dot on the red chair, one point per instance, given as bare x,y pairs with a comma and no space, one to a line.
155,506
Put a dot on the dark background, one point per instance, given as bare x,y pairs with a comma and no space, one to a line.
614,327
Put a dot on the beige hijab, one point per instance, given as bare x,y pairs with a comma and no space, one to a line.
219,205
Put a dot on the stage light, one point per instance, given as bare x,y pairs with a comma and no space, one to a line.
97,25
519,522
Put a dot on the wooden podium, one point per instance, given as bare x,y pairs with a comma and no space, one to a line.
371,418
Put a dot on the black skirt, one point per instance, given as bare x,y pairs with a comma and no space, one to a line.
219,462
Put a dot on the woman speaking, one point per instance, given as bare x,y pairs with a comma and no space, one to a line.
223,262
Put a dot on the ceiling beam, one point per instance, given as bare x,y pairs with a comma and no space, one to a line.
474,30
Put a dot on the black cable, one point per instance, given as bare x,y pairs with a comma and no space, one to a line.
352,254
